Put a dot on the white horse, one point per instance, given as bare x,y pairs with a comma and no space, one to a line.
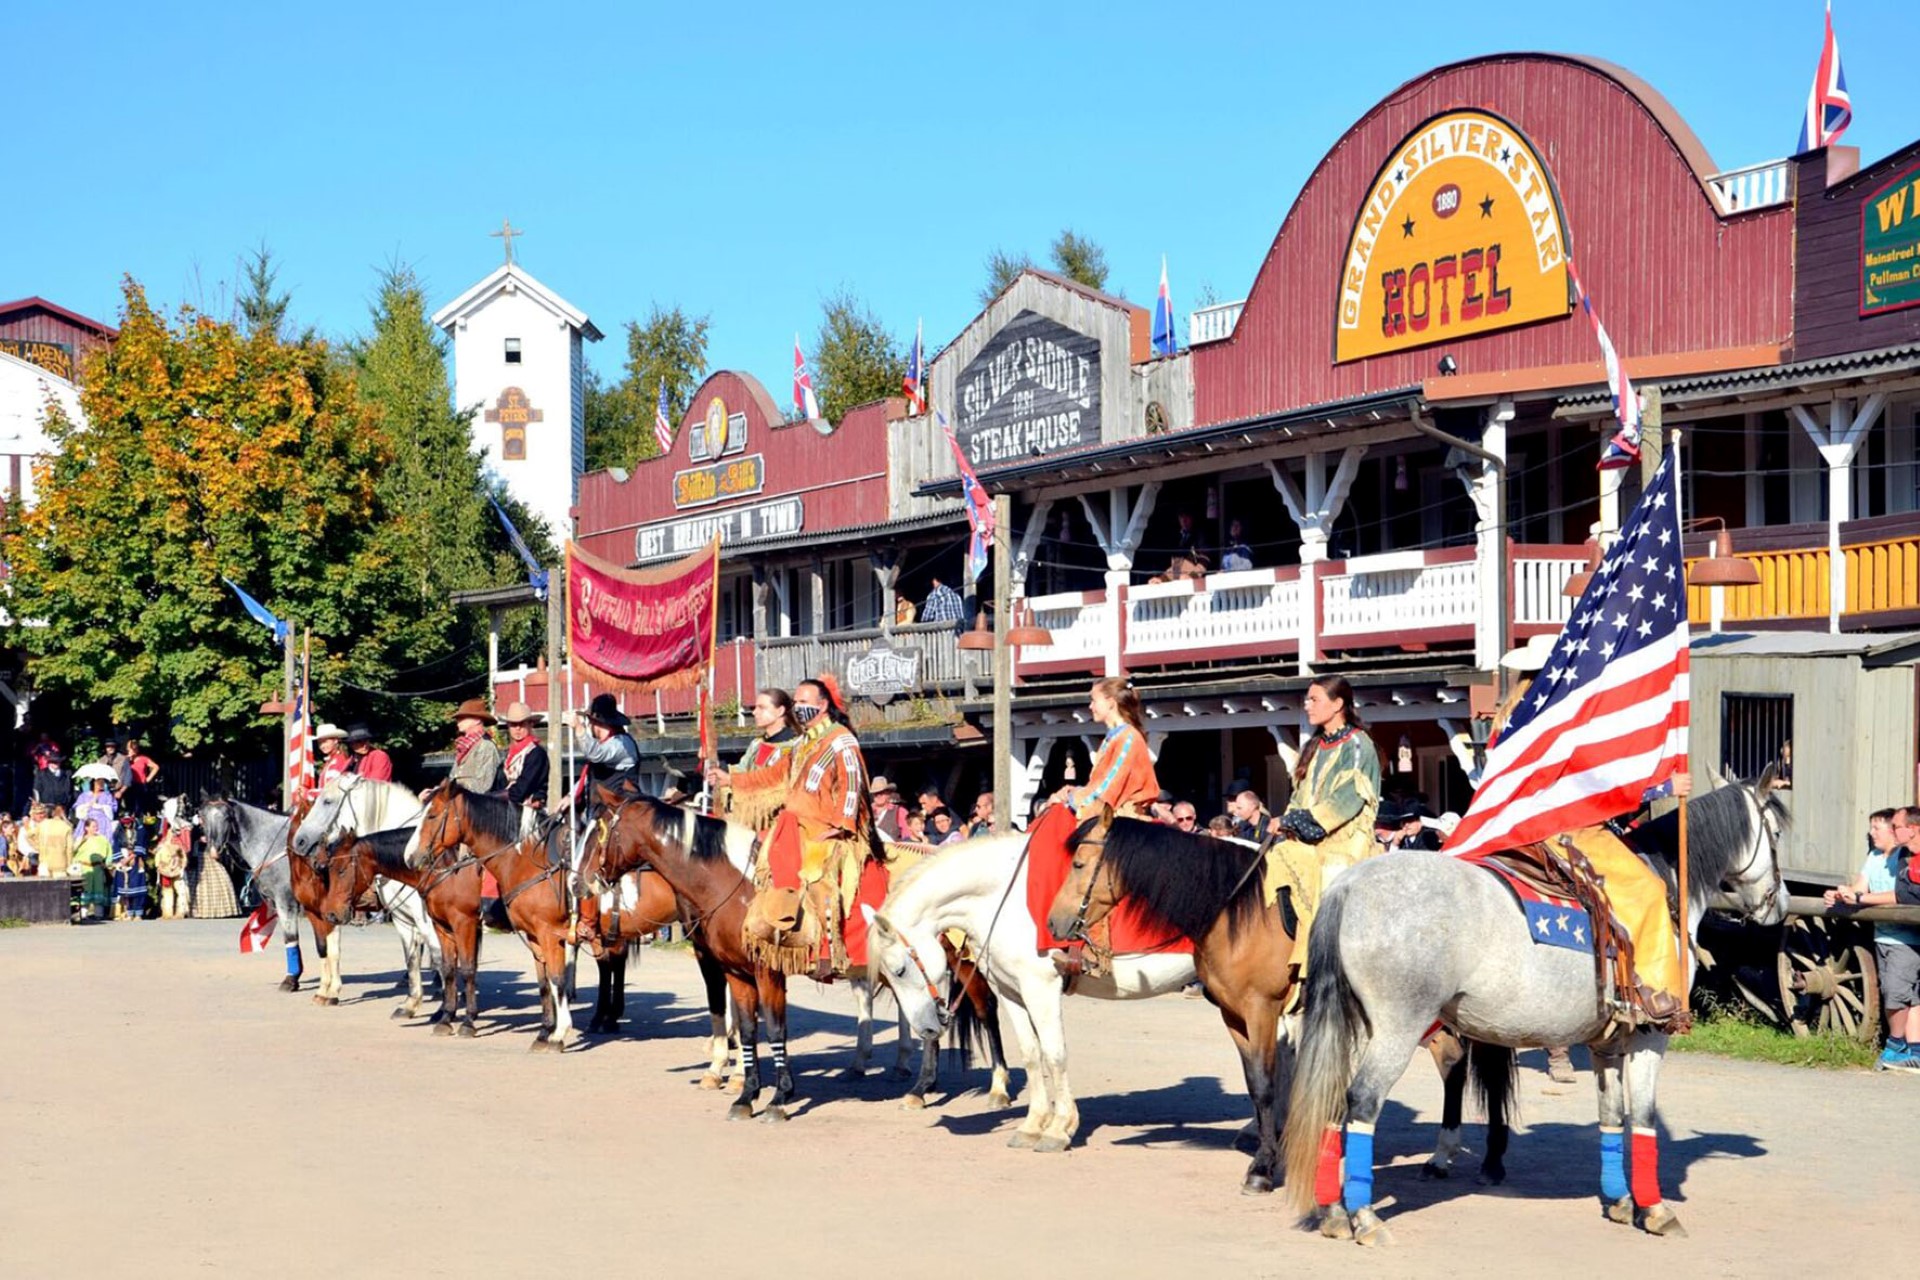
980,888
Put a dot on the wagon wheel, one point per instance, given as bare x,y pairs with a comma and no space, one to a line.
1827,980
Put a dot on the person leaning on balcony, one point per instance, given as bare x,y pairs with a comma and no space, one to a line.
943,603
1121,776
1328,824
1190,553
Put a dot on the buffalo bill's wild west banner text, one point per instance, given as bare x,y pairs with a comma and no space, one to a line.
642,629
1461,233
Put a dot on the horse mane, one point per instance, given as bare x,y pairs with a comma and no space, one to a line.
490,815
389,848
1182,881
670,822
1720,829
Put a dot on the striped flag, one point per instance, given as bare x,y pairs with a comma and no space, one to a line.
915,383
1606,720
1164,342
803,398
979,507
1829,106
257,930
299,739
1624,448
662,429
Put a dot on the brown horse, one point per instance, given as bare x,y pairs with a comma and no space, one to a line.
449,889
637,908
533,890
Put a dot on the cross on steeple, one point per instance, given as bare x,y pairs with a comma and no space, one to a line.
506,233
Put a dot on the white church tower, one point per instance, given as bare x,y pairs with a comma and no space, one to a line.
518,355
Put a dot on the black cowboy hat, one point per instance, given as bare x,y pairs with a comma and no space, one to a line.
357,734
604,710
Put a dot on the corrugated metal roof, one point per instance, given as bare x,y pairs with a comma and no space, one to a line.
854,533
1783,377
1879,647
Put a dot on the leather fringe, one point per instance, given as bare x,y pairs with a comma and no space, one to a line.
790,959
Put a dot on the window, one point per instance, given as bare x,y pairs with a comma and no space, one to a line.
1755,729
513,351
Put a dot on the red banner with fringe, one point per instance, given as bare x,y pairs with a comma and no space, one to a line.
642,629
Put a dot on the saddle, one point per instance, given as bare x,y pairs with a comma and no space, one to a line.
1566,873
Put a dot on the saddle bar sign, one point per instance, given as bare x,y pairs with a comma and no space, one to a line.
882,673
1033,390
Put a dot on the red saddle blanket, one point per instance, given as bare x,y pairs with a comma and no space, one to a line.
1048,864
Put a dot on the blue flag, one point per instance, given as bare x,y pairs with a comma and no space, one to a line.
1164,341
259,612
535,574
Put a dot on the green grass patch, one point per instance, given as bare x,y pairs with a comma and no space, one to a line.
1734,1032
14,922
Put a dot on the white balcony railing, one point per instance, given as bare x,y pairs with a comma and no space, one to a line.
1754,187
1539,587
1399,594
1211,324
1081,625
1248,608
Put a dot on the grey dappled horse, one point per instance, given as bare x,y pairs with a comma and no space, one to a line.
1410,939
258,838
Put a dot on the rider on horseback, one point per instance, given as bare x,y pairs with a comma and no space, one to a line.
1328,825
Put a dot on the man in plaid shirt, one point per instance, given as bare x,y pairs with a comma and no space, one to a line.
943,604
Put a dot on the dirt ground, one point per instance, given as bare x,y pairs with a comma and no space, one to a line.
164,1110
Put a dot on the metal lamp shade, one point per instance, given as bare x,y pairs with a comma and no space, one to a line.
1723,568
979,637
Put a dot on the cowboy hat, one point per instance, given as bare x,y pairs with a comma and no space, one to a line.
604,710
1531,656
519,713
881,785
359,734
327,731
473,709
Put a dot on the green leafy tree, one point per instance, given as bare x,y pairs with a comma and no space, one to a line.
1002,269
671,346
855,359
613,422
263,310
1078,258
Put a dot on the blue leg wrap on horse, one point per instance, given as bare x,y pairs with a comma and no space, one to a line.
1613,1167
1358,1191
293,959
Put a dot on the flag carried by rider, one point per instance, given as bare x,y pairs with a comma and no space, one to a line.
1606,719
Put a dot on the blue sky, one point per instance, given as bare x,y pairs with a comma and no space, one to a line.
743,161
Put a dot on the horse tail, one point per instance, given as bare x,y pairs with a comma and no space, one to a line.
1336,1027
1490,1069
967,1031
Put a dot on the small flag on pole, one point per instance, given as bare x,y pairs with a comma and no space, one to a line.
803,399
257,931
662,429
915,383
259,612
1624,448
979,508
1829,106
299,754
1164,343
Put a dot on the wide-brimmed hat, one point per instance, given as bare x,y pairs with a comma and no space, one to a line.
1531,656
519,713
604,710
473,709
327,731
358,734
882,785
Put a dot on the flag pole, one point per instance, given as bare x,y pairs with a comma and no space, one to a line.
1686,910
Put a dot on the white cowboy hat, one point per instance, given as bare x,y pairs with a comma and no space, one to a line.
1531,656
326,731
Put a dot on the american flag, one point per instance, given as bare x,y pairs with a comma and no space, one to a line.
979,506
299,743
1829,107
1606,720
915,383
803,398
1624,448
662,429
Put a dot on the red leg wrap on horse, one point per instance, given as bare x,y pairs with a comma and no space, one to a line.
1326,1179
1646,1170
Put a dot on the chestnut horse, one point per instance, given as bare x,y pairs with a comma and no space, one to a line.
448,887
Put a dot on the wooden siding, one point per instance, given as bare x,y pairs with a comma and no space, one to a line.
1826,266
33,321
1668,271
841,478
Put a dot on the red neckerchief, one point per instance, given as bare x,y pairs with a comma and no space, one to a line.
517,749
465,743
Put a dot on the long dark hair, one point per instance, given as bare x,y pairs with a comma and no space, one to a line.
783,700
1333,687
1126,700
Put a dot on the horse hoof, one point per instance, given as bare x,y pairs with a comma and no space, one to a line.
914,1102
1431,1172
443,1028
740,1111
331,1002
540,1045
1023,1138
1335,1224
401,1014
902,1073
1052,1144
289,983
1369,1230
712,1084
853,1074
1257,1184
1621,1211
999,1100
466,1031
1662,1221
1492,1175
774,1114
319,999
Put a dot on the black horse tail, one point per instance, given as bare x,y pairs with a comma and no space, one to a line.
966,1033
1490,1071
1336,1028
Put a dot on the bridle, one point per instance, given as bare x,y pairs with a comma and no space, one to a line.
1077,928
603,826
1769,837
440,852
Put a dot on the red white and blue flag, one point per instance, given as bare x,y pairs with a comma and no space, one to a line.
299,743
915,383
803,399
1829,106
1164,342
662,428
1606,719
257,929
1624,448
979,508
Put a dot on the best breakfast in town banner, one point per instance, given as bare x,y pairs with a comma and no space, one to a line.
642,629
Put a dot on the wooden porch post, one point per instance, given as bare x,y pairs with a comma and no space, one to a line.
1119,533
1839,442
1314,510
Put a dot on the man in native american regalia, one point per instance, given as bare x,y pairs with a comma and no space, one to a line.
813,807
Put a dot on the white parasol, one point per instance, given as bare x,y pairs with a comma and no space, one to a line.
104,772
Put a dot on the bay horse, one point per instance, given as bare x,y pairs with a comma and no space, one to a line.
612,923
1411,938
448,893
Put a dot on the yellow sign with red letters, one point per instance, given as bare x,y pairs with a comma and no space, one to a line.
1461,234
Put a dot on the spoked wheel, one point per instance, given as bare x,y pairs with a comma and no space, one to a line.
1827,980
